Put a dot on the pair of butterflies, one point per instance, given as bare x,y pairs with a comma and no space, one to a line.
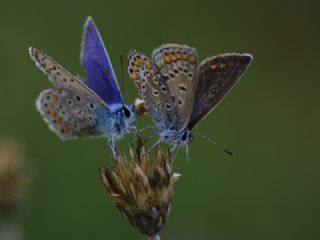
177,92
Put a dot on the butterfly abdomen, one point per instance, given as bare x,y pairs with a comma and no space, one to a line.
107,124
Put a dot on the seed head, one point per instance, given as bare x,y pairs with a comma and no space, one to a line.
142,188
12,178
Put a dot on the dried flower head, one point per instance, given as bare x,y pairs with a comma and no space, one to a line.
11,178
141,188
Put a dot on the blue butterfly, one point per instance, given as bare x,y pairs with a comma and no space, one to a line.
93,107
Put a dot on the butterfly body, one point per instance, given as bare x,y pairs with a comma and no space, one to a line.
92,107
117,125
178,92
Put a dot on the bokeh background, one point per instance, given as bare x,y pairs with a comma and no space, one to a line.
268,190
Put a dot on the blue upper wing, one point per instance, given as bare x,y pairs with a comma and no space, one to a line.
95,60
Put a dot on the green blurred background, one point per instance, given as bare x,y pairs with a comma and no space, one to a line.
269,190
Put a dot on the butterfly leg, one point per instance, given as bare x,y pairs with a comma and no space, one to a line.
150,137
133,130
143,129
133,136
111,144
155,144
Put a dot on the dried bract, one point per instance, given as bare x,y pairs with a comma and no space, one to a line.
142,188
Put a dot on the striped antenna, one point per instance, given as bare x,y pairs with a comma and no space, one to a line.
220,146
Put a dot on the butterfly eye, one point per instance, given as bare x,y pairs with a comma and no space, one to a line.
126,112
184,137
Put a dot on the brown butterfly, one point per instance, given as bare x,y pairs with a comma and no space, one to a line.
178,92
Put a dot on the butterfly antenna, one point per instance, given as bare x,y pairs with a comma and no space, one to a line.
145,128
122,74
215,143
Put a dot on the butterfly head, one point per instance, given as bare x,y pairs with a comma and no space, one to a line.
185,137
129,116
176,138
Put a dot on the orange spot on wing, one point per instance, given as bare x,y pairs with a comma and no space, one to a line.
134,76
178,56
65,129
184,56
222,65
173,57
135,68
167,59
139,61
136,63
213,66
54,98
58,120
53,114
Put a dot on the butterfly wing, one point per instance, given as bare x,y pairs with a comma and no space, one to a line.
177,65
165,82
146,78
72,109
59,76
216,77
72,115
95,60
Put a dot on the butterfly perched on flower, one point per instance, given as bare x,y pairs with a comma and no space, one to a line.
93,107
178,92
